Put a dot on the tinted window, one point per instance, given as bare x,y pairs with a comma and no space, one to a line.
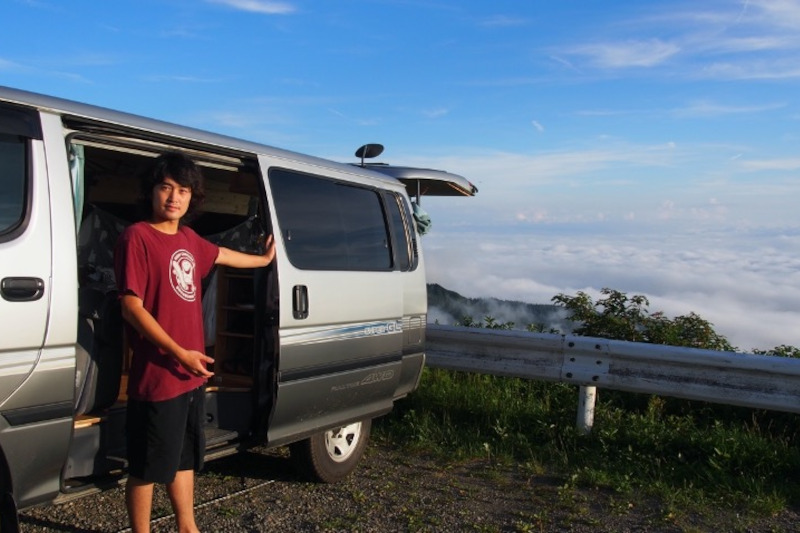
12,181
412,234
327,225
403,250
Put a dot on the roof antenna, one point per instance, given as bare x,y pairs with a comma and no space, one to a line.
368,151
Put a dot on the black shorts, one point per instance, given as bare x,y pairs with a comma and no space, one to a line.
165,437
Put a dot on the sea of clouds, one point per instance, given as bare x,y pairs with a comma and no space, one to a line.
747,287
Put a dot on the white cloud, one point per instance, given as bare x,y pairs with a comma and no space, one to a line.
758,69
759,40
632,53
160,78
354,120
18,68
713,109
6,65
436,112
621,186
258,6
782,164
735,45
510,169
503,21
564,62
782,13
77,60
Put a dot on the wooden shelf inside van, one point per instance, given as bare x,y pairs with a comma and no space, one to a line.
235,328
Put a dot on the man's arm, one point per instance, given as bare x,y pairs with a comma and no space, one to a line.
136,315
235,259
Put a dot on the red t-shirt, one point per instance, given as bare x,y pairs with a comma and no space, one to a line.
165,271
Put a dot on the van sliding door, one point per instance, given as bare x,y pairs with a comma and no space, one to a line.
341,300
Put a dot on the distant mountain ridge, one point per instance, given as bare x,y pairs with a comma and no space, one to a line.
448,307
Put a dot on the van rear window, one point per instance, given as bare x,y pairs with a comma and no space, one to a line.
327,225
12,182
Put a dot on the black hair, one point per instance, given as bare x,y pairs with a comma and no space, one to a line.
183,170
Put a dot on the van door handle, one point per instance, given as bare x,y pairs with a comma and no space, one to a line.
21,289
300,302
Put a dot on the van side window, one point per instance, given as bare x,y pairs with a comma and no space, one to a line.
404,243
13,179
328,225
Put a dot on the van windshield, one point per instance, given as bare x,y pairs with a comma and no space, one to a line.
12,182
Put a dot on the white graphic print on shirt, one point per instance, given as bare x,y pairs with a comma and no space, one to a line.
182,275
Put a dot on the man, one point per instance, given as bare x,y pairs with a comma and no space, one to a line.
159,265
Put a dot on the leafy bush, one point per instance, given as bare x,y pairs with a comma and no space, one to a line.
620,317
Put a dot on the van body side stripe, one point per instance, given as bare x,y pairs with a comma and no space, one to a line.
339,333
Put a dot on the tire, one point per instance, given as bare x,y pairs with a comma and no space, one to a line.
332,455
9,519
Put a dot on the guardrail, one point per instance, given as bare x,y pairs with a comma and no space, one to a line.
747,380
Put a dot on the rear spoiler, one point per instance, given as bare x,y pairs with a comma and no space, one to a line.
418,181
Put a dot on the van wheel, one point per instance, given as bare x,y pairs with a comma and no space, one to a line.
332,455
9,520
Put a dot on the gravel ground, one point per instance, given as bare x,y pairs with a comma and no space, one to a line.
390,491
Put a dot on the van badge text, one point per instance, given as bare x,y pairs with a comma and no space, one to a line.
374,377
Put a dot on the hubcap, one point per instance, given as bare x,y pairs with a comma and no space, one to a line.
342,442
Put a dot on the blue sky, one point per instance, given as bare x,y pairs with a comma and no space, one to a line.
650,147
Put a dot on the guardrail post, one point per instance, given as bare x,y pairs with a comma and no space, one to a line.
586,402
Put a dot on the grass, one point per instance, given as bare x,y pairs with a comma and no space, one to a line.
690,455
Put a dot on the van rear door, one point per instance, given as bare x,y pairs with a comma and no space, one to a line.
427,182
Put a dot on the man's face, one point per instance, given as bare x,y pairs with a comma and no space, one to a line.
170,200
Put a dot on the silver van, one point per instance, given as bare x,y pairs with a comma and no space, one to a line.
307,351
